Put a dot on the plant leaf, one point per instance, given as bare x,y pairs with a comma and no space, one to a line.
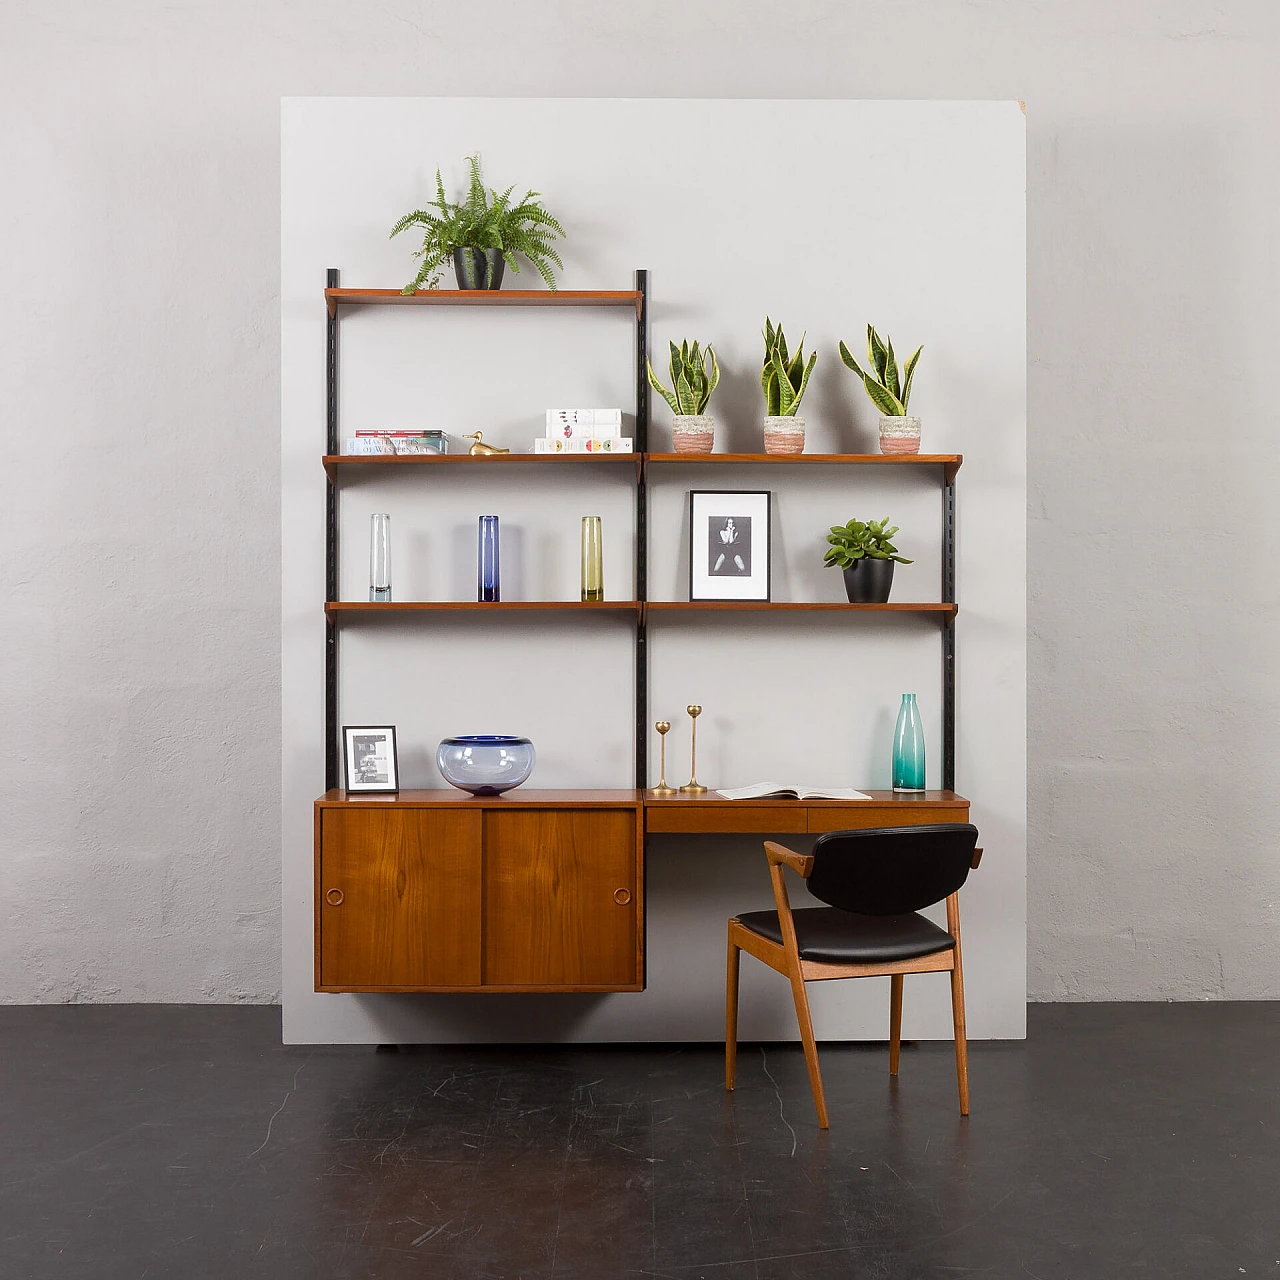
662,391
890,378
909,373
876,354
804,381
684,393
713,376
786,393
884,400
847,356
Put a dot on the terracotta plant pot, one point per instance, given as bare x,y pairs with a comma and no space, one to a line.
693,433
784,435
899,435
869,581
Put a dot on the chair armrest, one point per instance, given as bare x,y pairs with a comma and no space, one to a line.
780,855
977,858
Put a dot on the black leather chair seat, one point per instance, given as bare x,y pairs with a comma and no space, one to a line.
832,936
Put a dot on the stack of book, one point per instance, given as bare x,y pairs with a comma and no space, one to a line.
583,431
364,443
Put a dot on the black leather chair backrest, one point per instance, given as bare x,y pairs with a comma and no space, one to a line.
888,871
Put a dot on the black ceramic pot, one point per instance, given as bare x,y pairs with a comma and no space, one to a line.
869,581
478,268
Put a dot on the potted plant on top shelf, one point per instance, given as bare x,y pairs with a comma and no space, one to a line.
899,433
862,548
482,235
783,379
694,375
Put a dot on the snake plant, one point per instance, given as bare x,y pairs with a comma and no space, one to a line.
694,374
888,394
783,377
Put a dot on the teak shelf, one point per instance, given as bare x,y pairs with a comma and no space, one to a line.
945,611
334,461
335,297
949,462
337,608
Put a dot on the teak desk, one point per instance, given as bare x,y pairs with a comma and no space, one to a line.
531,891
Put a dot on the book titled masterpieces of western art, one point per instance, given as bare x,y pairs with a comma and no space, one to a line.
770,791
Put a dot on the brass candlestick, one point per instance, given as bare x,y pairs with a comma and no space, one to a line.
663,727
693,787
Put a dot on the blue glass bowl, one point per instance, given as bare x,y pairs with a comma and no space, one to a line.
486,764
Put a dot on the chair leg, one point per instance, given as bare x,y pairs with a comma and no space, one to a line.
731,1014
810,1048
962,1046
895,1021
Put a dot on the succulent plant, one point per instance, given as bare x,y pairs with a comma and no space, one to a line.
694,375
888,394
858,540
484,220
782,377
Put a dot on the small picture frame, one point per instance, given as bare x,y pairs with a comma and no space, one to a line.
729,545
370,755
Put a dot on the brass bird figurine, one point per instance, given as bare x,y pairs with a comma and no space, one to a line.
480,449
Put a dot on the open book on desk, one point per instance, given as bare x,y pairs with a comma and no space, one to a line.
770,791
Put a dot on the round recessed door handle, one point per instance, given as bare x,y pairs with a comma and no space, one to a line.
622,896
334,897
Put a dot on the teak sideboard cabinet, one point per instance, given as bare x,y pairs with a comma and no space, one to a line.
428,891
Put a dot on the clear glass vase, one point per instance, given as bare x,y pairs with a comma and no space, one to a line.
379,558
592,559
908,747
488,570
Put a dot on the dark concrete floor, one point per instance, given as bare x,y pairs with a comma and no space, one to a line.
157,1141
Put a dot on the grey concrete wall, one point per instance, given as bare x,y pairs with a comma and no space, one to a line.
139,721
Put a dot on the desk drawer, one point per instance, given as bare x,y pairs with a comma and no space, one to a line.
858,817
710,817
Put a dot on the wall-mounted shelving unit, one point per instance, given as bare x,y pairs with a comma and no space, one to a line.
559,903
340,466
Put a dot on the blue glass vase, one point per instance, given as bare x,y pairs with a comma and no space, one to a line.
488,574
908,747
486,764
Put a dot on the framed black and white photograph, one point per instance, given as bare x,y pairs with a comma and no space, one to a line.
729,545
370,753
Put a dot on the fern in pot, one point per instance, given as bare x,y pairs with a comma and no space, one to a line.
783,378
694,375
482,236
864,550
889,390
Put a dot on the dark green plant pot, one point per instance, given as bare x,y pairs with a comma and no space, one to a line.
479,268
869,581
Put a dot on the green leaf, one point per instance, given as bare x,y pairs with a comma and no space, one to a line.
890,378
677,363
910,369
780,344
769,380
713,377
847,356
786,393
804,381
887,403
684,393
876,354
662,391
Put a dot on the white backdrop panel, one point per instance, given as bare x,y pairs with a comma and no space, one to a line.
907,214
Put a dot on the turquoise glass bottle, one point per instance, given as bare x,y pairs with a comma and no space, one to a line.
908,747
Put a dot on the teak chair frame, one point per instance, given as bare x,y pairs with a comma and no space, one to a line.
787,961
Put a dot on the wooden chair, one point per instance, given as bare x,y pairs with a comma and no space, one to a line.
875,881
